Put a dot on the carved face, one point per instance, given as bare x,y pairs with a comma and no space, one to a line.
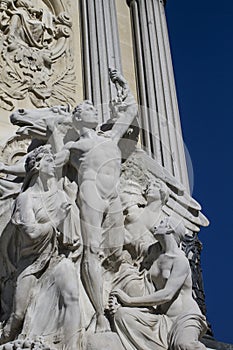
152,254
153,191
41,161
47,165
3,5
87,114
170,227
163,229
157,191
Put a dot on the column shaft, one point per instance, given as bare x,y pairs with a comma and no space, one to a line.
100,51
160,120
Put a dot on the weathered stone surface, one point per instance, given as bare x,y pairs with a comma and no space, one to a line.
34,45
104,341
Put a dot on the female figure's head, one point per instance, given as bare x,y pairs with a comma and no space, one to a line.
157,191
41,160
170,226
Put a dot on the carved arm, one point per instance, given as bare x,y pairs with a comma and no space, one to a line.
16,169
179,273
126,106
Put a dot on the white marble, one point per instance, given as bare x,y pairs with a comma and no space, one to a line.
81,245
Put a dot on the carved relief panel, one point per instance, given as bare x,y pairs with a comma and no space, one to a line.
37,58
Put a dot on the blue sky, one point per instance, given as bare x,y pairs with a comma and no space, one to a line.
201,34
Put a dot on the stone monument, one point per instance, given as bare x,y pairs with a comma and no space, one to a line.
99,233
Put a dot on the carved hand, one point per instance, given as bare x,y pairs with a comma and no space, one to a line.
61,213
120,83
116,77
113,305
121,296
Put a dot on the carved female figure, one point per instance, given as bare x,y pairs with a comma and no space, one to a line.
28,24
169,318
38,211
141,219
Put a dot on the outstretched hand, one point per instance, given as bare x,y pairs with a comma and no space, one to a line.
120,83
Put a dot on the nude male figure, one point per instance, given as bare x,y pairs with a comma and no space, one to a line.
97,159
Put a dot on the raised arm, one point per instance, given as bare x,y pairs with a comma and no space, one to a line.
62,157
125,106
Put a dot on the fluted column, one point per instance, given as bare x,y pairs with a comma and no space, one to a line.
100,51
160,120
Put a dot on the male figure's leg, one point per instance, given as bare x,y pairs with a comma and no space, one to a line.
113,229
67,283
92,209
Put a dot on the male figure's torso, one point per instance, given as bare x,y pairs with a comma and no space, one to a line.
97,158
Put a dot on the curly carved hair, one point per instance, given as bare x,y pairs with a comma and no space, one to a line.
36,156
79,108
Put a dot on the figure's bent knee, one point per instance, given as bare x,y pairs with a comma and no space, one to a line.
122,314
66,279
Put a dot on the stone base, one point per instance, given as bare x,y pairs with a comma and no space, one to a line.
104,341
211,343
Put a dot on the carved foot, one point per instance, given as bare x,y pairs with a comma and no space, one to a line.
102,324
